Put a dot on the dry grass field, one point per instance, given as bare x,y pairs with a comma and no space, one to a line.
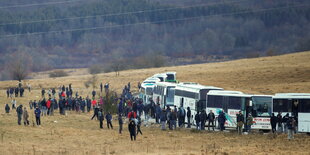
76,134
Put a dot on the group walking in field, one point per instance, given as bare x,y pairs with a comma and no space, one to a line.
136,111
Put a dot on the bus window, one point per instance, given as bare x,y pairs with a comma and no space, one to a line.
234,103
215,101
262,106
282,105
304,105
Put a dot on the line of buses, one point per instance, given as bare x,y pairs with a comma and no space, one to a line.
165,90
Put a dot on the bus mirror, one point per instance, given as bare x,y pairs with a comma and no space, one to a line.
250,104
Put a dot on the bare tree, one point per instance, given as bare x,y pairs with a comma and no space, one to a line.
19,65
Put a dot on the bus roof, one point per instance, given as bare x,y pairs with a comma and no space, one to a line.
292,96
159,75
166,84
171,73
228,93
195,86
151,80
233,93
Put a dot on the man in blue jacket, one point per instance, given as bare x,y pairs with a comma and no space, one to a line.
109,120
37,113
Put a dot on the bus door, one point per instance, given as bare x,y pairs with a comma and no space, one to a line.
303,119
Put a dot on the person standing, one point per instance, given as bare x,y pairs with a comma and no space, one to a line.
284,120
96,110
211,118
101,118
222,120
37,113
43,93
7,108
13,104
139,125
197,119
273,122
19,112
249,122
94,94
240,122
120,123
172,120
189,115
291,127
109,120
101,87
163,119
279,121
25,117
132,130
203,117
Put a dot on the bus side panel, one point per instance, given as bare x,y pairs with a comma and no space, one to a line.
262,123
304,122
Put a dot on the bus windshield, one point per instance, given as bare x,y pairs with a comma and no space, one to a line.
261,106
170,77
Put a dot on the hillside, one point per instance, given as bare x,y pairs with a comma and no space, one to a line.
268,75
76,134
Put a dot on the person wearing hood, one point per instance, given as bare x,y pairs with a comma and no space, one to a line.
222,120
7,108
132,130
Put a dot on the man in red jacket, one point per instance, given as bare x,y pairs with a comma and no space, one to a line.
48,105
132,115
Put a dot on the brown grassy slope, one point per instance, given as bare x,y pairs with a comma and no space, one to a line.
285,73
75,134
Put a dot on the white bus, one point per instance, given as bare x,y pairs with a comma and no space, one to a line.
192,95
146,92
161,76
297,105
231,102
163,94
171,77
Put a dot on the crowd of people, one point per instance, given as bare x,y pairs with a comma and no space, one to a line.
285,124
133,108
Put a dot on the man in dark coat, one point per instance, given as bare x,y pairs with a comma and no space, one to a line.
101,118
189,115
19,111
132,130
37,113
211,118
163,119
222,120
94,94
279,121
197,120
240,122
273,122
203,119
109,120
7,108
120,123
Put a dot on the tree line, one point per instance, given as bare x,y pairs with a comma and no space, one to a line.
221,33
